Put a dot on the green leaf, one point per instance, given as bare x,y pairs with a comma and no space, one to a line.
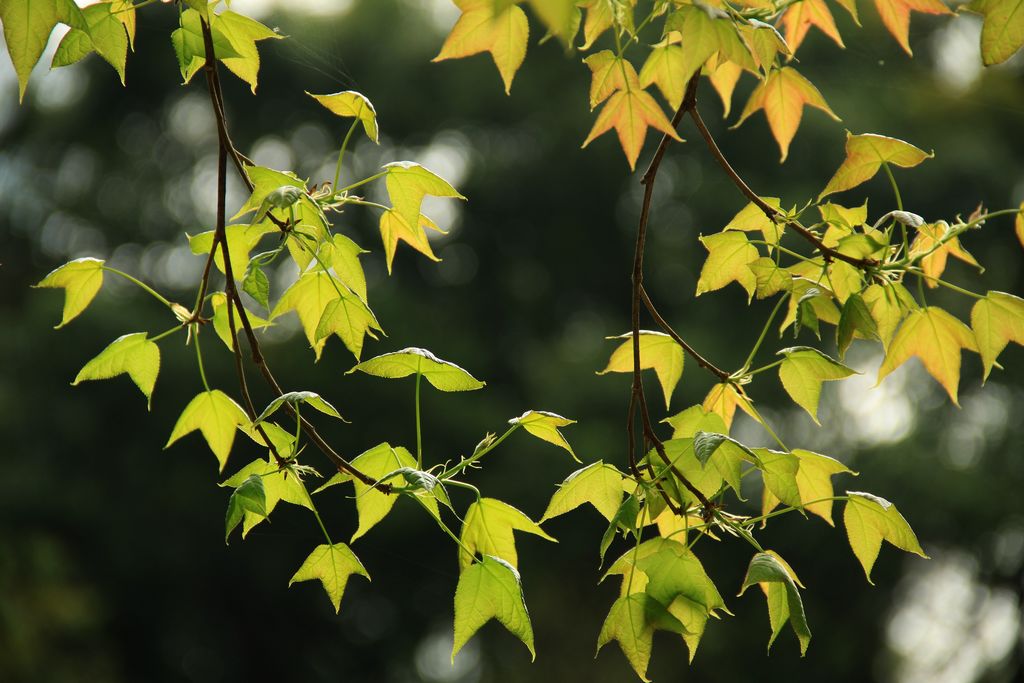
855,320
725,454
751,218
695,419
484,27
730,254
106,35
779,470
865,154
869,520
349,318
599,484
342,255
131,354
888,304
282,440
560,17
81,279
490,589
672,570
249,498
998,319
310,296
278,484
487,530
189,47
242,239
242,33
295,397
804,370
658,351
680,452
768,570
544,426
216,416
27,28
442,375
631,622
624,518
408,182
394,228
257,285
331,565
705,30
350,104
371,504
769,276
1002,34
221,324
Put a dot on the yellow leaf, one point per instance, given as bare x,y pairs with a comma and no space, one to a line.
216,416
408,183
888,305
724,77
487,530
783,96
1018,224
609,73
544,426
929,237
751,218
998,319
80,279
802,373
394,228
353,105
482,28
869,520
1002,34
729,256
630,112
936,337
865,154
331,565
309,297
723,399
896,16
799,18
664,67
602,14
658,351
704,31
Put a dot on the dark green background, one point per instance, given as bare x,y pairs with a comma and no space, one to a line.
112,561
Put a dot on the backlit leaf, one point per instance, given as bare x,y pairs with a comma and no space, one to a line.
487,530
695,419
935,337
664,67
350,104
704,31
658,351
631,622
544,426
729,255
559,16
242,33
998,319
216,416
610,73
394,228
814,483
482,28
782,96
408,182
309,296
309,398
889,305
599,484
242,239
490,589
107,36
896,16
371,504
349,318
751,218
869,520
221,324
1002,34
190,48
442,375
723,400
630,112
602,15
278,485
767,569
248,498
80,279
802,372
866,153
131,354
331,565
779,470
799,18
929,240
855,320
27,28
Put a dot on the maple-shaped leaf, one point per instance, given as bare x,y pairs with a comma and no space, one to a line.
221,324
801,16
107,35
487,530
80,279
889,305
752,218
725,454
248,499
802,373
609,73
683,459
855,320
241,33
331,565
765,43
869,520
350,319
353,105
779,470
814,484
865,154
27,28
561,17
729,255
658,351
216,416
482,27
770,277
895,15
601,15
371,504
278,485
723,75
664,68
309,296
704,31
342,256
931,240
310,398
843,217
442,374
631,622
1002,33
408,182
723,398
394,228
190,47
544,426
131,354
695,419
936,337
490,589
242,239
782,96
778,581
630,112
997,320
599,484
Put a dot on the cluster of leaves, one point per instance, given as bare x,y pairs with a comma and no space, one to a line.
837,269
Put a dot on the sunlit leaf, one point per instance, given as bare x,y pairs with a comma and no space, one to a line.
107,36
664,67
802,372
779,471
487,530
704,31
559,16
351,104
349,318
869,520
309,398
408,182
278,485
27,28
929,241
221,324
767,569
490,589
602,15
751,218
866,153
997,320
631,622
242,33
896,16
814,484
248,498
599,484
610,73
216,416
723,400
442,375
544,426
131,354
724,76
935,337
80,279
1002,34
371,504
394,228
630,112
889,305
695,419
729,255
658,351
309,296
242,239
799,18
331,565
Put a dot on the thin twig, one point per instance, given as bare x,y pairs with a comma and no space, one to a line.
663,324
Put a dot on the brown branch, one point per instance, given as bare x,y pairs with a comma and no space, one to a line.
220,239
773,214
663,324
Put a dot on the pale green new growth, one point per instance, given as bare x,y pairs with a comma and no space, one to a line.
331,565
658,351
632,621
248,500
487,530
442,375
278,485
544,425
309,398
770,571
131,354
373,505
351,104
408,182
490,589
216,416
599,484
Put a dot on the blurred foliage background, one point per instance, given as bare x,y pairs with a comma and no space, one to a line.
112,561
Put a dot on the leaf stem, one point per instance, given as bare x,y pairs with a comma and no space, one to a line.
781,511
764,332
751,373
199,356
361,182
419,432
159,297
341,153
176,328
895,187
462,465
